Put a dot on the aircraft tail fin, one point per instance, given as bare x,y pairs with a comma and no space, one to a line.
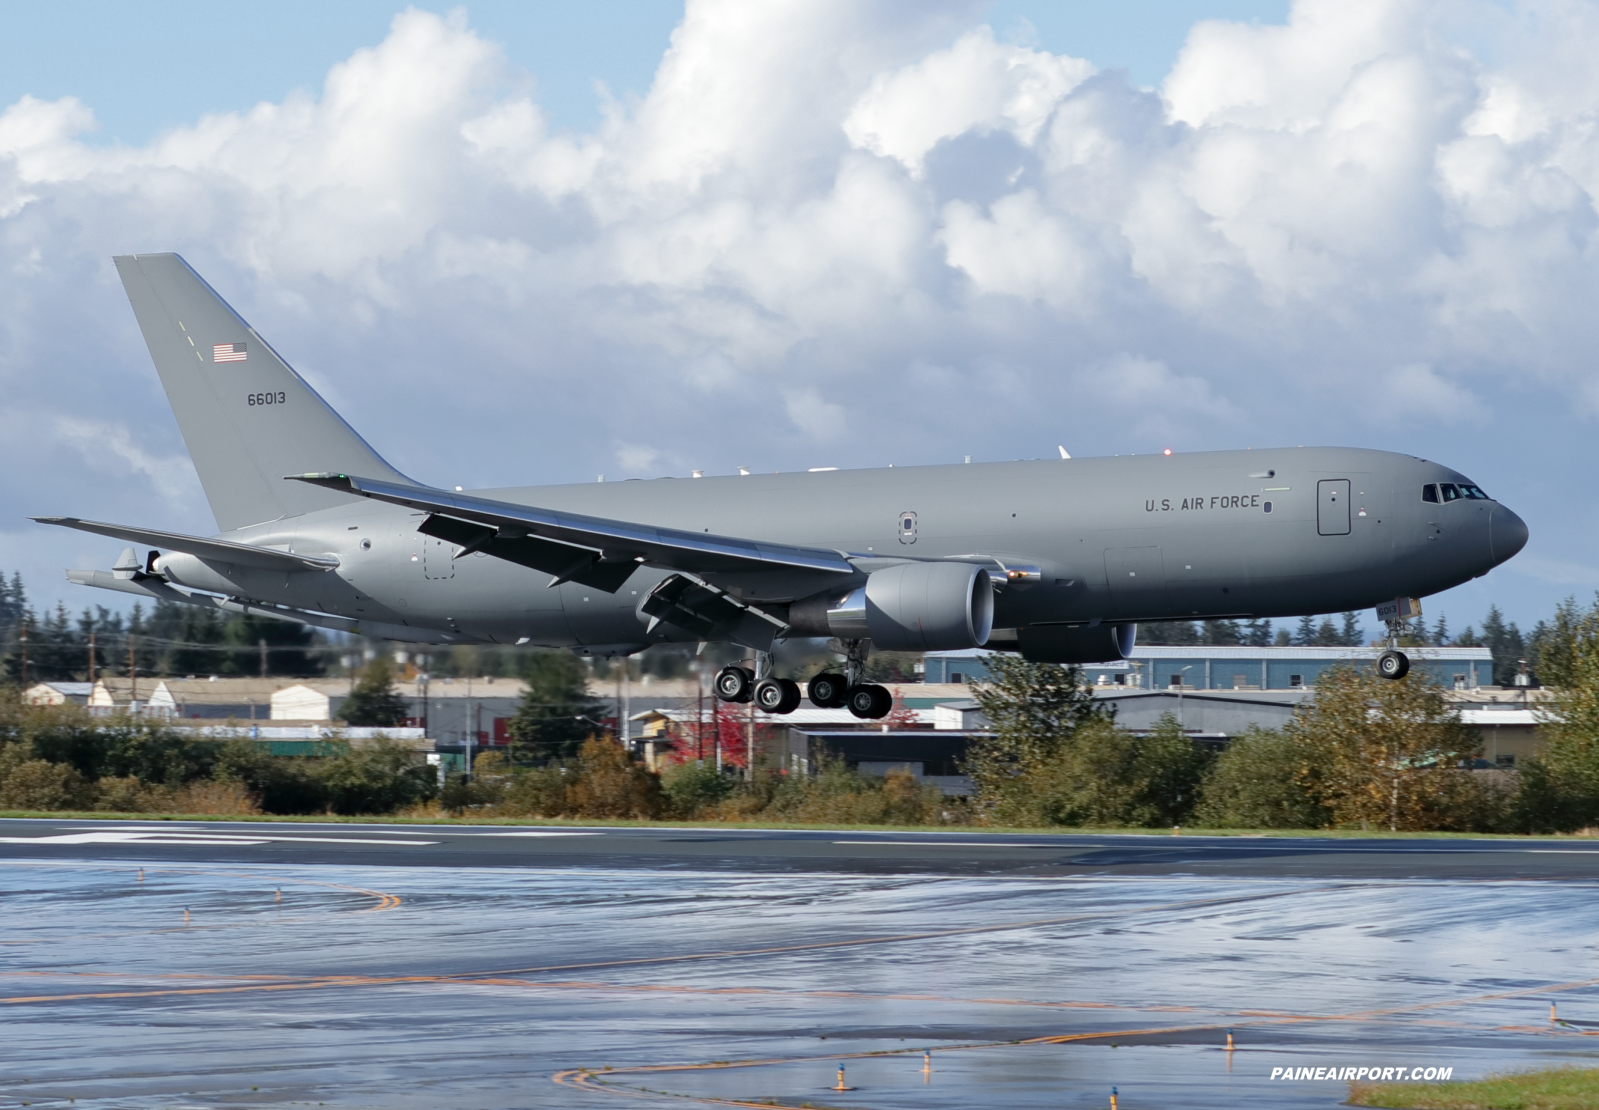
248,419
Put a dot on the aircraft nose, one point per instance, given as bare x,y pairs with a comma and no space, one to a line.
1507,534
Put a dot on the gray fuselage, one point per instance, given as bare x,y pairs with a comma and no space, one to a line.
1260,533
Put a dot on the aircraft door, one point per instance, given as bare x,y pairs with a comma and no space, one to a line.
1332,507
438,558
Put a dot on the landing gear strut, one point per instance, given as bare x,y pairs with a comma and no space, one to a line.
1393,663
865,700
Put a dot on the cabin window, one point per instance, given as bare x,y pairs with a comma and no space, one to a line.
1450,491
1429,492
1268,506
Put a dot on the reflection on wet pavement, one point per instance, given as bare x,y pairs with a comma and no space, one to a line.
426,987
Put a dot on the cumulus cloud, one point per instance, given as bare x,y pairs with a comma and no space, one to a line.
869,226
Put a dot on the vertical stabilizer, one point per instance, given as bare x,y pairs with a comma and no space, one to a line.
248,419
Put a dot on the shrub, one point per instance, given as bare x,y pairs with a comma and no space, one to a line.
1260,781
610,783
692,787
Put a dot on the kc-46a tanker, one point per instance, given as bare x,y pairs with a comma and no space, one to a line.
1057,559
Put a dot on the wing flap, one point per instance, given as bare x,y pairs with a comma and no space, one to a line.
563,562
219,551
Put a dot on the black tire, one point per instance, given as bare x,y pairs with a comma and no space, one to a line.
769,695
827,691
734,684
870,702
777,695
1393,664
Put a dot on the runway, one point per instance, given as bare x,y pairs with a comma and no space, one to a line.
426,966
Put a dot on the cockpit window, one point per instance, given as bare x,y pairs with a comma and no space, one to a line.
1450,491
1475,493
1429,492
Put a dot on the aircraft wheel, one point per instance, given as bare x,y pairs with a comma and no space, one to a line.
734,683
870,701
827,691
777,695
1393,664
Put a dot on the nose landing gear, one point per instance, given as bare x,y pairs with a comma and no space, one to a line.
1393,663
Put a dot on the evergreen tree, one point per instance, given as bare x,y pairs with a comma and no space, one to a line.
1283,638
375,702
1440,631
1222,633
556,714
1305,634
1168,632
1352,635
1034,710
1506,644
1258,633
1327,634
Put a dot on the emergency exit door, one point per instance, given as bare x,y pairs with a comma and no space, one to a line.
1332,507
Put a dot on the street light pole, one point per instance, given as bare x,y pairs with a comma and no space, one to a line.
1182,680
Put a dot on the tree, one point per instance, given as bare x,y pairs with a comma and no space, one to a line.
1305,634
556,712
375,702
1560,789
1327,634
1505,643
1257,633
1034,708
1263,779
1352,635
610,783
1387,752
1168,632
1222,633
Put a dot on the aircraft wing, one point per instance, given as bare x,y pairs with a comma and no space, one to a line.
221,551
614,541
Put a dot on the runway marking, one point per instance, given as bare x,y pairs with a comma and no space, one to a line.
384,900
537,833
181,836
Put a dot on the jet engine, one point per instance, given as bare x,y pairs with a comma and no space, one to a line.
911,607
1056,643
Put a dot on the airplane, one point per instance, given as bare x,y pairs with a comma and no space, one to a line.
1055,559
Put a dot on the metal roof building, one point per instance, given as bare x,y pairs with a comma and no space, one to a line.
1206,667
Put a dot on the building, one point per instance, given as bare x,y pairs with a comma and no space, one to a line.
1206,667
58,693
203,698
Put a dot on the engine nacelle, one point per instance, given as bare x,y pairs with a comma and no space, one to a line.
1055,643
911,607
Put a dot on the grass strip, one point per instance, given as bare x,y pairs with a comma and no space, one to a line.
966,831
1566,1088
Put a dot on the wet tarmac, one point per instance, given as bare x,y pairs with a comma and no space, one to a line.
245,965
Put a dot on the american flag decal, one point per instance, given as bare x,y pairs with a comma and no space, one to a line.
228,352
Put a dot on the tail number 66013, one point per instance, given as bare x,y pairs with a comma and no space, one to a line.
266,399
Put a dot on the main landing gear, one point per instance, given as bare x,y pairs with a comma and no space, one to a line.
866,700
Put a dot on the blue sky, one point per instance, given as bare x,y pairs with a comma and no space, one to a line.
1362,222
147,66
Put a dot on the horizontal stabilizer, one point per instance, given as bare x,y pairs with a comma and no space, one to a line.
156,589
213,551
616,540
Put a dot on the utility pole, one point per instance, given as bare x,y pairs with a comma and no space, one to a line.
261,643
91,657
133,675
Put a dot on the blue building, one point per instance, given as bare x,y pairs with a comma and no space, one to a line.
1202,667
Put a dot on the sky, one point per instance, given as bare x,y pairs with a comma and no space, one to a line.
517,243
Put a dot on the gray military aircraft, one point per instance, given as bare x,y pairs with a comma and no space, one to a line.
1056,559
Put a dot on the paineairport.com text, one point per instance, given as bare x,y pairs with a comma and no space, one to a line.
1369,1075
